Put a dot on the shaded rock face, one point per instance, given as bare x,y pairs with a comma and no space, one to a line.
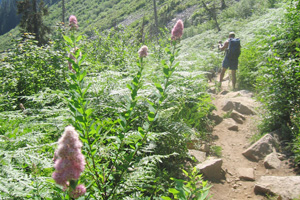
212,169
261,148
271,161
287,187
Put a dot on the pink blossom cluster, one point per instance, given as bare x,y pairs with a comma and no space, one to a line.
177,30
143,52
68,160
79,191
73,22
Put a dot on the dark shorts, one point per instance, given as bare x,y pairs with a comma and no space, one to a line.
231,64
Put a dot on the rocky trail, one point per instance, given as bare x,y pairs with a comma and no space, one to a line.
244,171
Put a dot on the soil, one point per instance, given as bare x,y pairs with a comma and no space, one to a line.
233,143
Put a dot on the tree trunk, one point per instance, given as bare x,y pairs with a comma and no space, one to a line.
155,16
63,11
35,20
223,5
212,13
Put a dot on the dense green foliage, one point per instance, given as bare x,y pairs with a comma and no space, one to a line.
270,64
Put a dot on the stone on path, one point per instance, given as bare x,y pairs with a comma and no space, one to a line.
272,161
243,109
239,118
224,92
246,174
287,187
233,128
198,145
216,118
199,155
211,169
228,106
261,148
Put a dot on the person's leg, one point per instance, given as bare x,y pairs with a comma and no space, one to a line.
222,75
233,73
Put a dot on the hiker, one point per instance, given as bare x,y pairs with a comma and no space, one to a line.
233,50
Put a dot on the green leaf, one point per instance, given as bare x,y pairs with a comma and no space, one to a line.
68,39
151,116
166,198
73,184
78,38
173,191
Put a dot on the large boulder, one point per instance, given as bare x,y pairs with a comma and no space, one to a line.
287,187
271,161
211,169
261,148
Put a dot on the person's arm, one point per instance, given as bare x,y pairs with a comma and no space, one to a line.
224,46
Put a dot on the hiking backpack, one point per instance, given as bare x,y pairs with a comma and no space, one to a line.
234,48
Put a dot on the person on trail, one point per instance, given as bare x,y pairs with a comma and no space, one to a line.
232,52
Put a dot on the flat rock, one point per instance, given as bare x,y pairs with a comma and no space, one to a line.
199,155
287,187
261,148
271,161
246,174
211,169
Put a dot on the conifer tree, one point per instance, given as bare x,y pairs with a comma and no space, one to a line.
32,13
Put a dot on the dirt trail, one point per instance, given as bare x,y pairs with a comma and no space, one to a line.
233,143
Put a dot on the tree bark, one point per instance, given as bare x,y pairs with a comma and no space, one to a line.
223,5
212,13
155,16
63,11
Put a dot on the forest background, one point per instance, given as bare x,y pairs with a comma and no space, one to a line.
134,115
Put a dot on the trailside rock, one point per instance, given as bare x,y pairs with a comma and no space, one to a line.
288,187
237,117
243,109
272,161
211,169
261,148
216,118
239,107
246,174
199,155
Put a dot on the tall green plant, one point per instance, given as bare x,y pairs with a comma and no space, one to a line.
114,149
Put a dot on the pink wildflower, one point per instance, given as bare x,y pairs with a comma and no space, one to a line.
143,52
73,22
177,30
79,191
69,162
